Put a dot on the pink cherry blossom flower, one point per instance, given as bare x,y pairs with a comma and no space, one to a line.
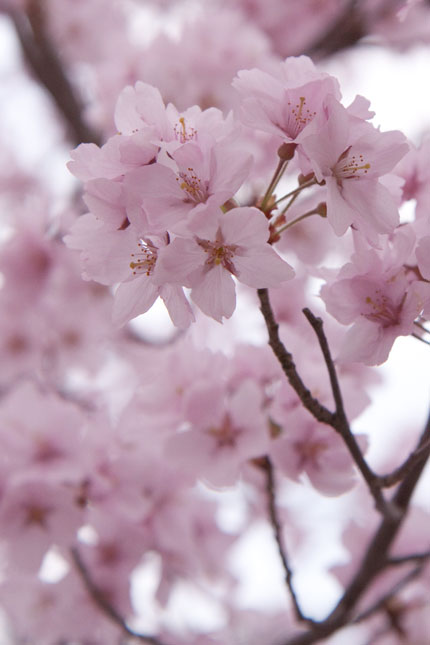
232,244
307,447
35,511
380,297
350,155
141,109
137,294
125,257
117,156
54,610
198,68
293,27
204,174
225,431
414,168
288,101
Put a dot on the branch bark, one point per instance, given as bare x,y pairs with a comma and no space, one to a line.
267,466
338,419
104,605
376,558
44,63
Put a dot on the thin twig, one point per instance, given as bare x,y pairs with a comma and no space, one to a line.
418,337
399,473
296,221
376,557
404,559
382,601
339,420
282,164
319,411
271,494
297,190
102,603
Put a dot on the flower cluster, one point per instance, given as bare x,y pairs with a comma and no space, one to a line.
157,192
164,210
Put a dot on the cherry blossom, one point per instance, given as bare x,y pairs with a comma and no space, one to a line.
380,296
305,447
224,433
204,174
135,261
233,244
350,157
148,465
288,102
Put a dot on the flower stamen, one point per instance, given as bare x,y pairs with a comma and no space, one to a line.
182,133
145,258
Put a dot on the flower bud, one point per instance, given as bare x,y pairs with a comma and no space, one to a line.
321,209
286,151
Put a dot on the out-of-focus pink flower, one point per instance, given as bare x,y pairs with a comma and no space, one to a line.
307,447
225,432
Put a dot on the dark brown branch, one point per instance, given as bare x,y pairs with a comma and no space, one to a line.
267,465
376,558
399,473
351,25
286,361
44,63
412,557
376,481
317,326
382,601
339,421
104,605
345,31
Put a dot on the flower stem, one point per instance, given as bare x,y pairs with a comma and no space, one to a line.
282,165
311,182
295,221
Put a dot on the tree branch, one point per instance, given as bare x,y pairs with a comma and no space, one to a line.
339,421
286,361
104,605
46,66
267,466
347,29
412,557
408,465
376,557
382,601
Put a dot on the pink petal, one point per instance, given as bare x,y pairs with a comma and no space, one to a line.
262,267
216,294
132,299
177,305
